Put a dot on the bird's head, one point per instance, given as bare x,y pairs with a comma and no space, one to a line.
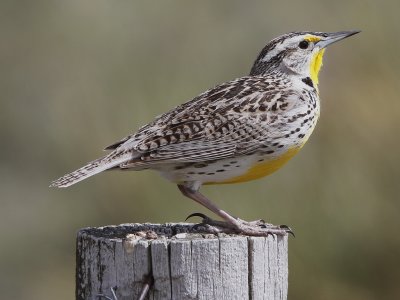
297,53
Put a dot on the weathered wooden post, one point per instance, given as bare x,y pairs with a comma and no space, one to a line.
179,262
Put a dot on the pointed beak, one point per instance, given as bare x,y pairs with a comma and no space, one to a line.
335,37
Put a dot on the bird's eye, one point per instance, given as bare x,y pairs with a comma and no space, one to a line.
303,45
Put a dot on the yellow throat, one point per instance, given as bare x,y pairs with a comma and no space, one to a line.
315,66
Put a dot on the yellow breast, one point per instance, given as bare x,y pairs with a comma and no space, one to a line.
262,169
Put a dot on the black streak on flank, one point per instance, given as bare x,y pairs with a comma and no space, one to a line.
308,81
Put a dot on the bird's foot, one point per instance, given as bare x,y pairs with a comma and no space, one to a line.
260,223
252,228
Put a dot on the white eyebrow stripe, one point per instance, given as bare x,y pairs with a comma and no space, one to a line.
273,53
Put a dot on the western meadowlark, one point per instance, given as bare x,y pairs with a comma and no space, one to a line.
238,131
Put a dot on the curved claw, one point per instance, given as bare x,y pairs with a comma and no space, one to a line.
203,216
287,229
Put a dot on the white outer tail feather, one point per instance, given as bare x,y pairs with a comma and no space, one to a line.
92,168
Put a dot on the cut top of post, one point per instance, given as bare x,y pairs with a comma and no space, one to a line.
180,261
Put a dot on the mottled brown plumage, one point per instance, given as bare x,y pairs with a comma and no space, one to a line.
237,131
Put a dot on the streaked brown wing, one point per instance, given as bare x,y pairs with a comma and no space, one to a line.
225,121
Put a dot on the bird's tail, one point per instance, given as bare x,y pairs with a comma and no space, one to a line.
99,165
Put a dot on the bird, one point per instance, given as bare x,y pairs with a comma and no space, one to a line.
237,131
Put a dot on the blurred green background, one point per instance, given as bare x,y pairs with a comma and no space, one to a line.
78,75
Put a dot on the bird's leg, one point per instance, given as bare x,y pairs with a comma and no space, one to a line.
256,228
199,198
